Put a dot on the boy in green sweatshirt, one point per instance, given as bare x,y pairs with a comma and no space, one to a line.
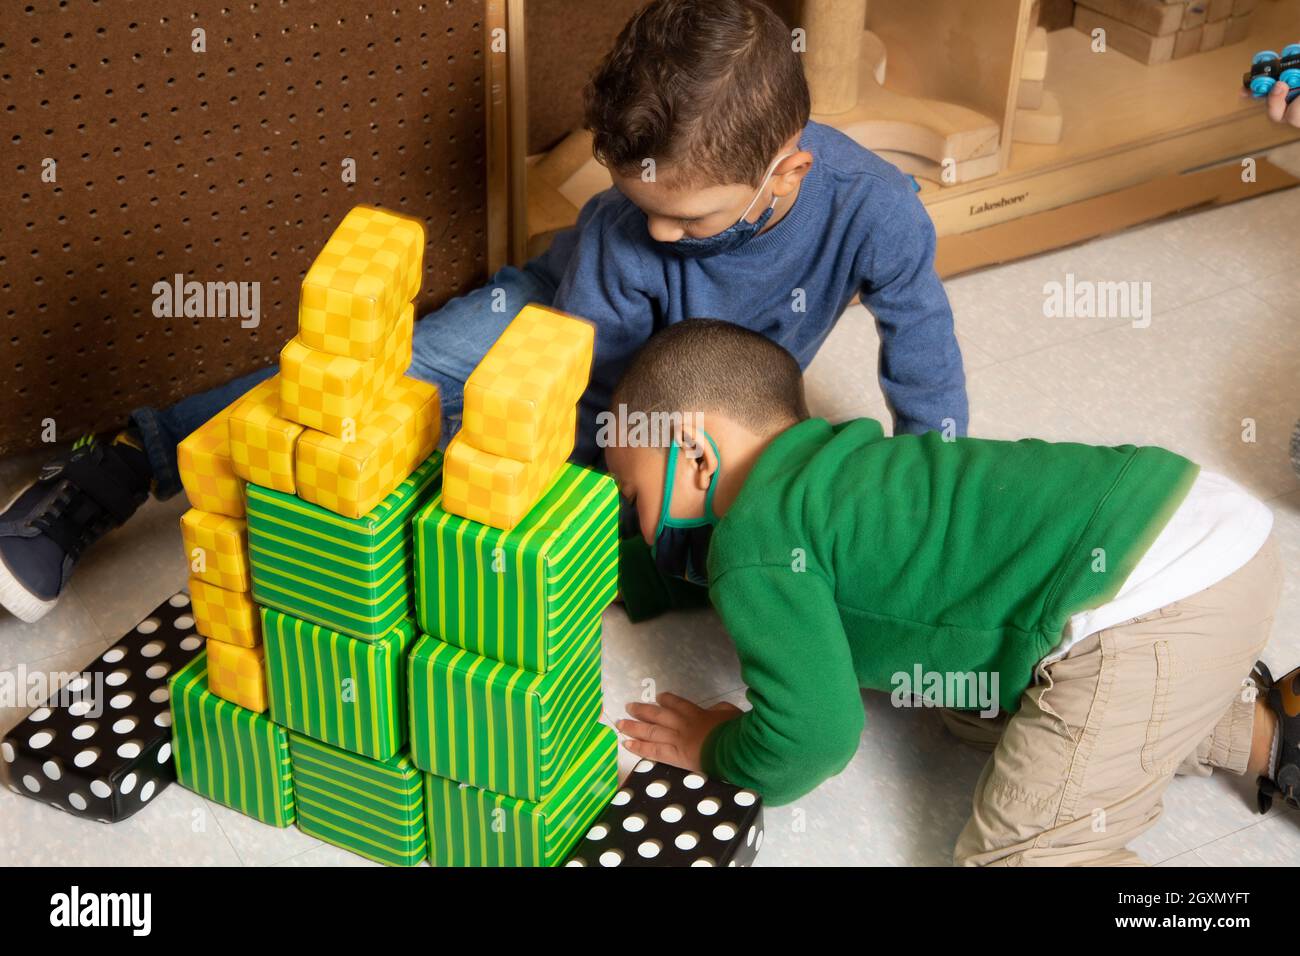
1094,615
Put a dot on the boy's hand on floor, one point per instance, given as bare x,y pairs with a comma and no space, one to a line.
673,729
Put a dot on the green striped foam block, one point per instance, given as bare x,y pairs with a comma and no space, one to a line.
374,808
473,827
520,596
350,574
342,690
503,728
228,753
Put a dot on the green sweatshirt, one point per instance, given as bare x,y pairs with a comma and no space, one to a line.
848,558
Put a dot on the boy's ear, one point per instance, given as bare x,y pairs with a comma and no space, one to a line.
790,172
700,454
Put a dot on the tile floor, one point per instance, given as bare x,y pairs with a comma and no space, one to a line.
1223,345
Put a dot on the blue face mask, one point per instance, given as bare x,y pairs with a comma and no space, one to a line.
681,548
733,236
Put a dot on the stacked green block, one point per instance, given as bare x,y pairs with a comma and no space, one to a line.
468,826
352,575
520,596
228,753
335,688
371,807
504,685
491,725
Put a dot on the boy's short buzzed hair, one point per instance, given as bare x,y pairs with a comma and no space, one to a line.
712,88
710,366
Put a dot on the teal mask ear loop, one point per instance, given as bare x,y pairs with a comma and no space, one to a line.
710,517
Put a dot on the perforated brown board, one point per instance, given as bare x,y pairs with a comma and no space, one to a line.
221,165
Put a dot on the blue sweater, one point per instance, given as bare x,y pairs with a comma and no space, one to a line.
856,227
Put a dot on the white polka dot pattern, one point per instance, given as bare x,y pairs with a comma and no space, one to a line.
663,816
101,746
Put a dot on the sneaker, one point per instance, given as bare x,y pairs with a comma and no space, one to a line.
78,497
1284,698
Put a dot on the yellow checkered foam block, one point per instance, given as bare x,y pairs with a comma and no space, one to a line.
327,392
535,371
237,674
350,478
227,616
216,547
203,458
354,292
499,491
262,441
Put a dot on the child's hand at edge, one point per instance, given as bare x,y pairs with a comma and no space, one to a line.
1278,110
1275,103
673,729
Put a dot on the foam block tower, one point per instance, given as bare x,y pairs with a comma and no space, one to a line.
426,632
302,491
515,561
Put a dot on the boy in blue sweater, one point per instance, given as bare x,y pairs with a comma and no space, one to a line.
726,201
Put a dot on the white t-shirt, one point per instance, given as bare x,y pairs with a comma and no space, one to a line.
1216,529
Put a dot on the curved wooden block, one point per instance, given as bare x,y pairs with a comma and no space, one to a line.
929,129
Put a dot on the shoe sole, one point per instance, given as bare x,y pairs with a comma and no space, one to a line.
15,598
19,601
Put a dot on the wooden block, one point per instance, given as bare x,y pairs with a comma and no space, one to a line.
1242,7
1238,29
1188,42
1034,66
1194,14
1042,126
1030,95
1122,38
1056,14
1219,10
1150,16
1213,36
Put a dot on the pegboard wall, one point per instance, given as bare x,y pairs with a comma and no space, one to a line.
128,155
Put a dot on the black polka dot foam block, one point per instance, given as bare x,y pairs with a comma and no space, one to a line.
663,816
101,747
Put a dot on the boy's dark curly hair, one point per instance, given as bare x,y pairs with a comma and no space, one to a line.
710,89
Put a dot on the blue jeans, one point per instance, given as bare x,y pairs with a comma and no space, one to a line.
448,344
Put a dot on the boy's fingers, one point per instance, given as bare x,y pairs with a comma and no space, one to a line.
655,733
678,705
660,753
654,714
1292,114
1277,102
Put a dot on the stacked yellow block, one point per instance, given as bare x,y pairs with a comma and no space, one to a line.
363,425
220,591
520,417
215,461
340,426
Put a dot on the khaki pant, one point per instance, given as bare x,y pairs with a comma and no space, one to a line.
1081,768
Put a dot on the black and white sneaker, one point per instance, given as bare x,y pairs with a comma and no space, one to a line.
78,497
